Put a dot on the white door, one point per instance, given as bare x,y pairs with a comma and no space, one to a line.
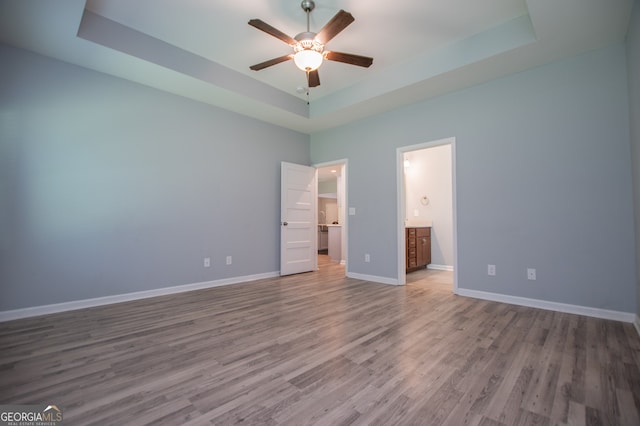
298,229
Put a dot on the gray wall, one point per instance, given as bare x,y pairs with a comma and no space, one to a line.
109,187
633,64
543,181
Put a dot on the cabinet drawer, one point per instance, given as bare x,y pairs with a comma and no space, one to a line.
412,263
411,232
411,253
411,242
423,232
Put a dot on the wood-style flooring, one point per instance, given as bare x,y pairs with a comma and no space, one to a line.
319,348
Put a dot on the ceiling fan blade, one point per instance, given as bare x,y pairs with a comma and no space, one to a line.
338,23
263,26
313,78
270,62
349,58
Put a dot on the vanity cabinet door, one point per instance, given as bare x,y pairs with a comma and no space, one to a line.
418,248
423,247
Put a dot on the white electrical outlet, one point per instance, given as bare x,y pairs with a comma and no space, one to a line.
367,258
416,212
491,270
229,260
531,274
207,262
352,211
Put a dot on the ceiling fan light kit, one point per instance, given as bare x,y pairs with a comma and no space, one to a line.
308,47
308,60
308,56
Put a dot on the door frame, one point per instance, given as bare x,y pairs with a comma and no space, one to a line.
343,163
401,250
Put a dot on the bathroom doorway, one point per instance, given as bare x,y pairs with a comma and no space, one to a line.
426,189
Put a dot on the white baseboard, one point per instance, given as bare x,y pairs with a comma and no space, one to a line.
495,297
107,300
440,267
551,306
373,278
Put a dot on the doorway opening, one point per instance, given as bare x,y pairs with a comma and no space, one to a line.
332,223
427,208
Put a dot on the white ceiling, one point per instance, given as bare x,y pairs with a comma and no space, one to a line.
202,49
328,173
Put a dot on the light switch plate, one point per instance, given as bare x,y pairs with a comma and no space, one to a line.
352,211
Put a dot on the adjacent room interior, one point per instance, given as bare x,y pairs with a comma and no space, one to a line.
427,203
332,197
494,280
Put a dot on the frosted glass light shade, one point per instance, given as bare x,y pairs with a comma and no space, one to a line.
308,60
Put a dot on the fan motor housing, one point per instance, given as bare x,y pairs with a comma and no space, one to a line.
307,5
306,41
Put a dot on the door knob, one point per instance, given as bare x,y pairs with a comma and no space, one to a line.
284,223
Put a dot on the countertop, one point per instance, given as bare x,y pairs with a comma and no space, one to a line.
418,224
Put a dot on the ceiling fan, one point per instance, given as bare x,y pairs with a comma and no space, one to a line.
308,47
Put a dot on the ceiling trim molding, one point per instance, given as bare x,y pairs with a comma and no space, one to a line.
111,34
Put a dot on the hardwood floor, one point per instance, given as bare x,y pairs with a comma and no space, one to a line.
322,349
